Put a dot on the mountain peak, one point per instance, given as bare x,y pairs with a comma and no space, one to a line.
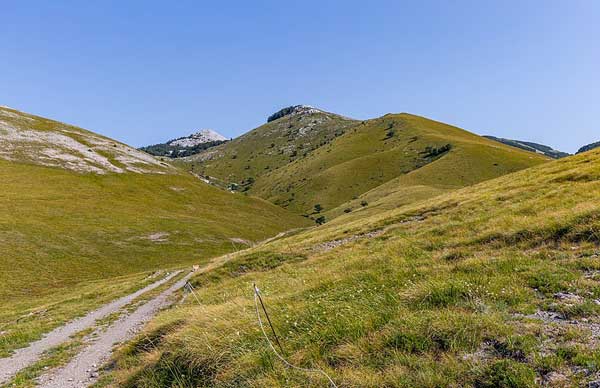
293,110
199,137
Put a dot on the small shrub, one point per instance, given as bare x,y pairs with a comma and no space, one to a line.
550,282
454,256
446,294
411,343
436,151
364,203
506,373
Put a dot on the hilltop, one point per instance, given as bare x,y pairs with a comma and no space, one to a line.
532,147
76,206
186,145
304,157
490,285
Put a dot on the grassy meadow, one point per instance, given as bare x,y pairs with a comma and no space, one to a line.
59,228
494,285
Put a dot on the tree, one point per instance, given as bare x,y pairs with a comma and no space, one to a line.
318,208
321,220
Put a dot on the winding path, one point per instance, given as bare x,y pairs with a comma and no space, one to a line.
25,357
82,370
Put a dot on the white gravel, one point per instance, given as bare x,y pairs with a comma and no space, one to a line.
26,356
82,370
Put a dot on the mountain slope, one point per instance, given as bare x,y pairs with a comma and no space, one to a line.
32,139
416,156
76,206
491,285
187,145
589,147
290,134
532,147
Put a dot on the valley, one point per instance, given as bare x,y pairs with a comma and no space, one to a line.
314,194
395,251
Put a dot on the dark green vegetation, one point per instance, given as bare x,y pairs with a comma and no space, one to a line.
494,285
589,147
304,158
532,147
171,151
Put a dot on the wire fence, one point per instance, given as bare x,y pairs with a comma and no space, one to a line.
257,299
280,355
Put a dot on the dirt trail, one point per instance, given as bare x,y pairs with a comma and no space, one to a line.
24,357
82,370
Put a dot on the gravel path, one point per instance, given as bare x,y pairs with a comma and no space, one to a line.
24,357
82,370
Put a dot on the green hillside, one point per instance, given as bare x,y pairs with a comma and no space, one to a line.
494,285
399,155
76,206
269,147
471,159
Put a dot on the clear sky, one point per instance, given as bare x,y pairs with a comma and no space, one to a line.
147,71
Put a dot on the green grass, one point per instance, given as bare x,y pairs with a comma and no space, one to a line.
26,319
386,162
53,358
70,241
441,298
62,354
59,228
270,146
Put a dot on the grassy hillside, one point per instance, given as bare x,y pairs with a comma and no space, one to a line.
471,159
269,147
494,285
399,155
76,206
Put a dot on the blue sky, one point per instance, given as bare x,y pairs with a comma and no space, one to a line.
147,71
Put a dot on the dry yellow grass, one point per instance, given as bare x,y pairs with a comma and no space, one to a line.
454,292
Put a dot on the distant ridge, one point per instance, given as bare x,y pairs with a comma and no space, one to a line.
187,145
532,147
589,147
